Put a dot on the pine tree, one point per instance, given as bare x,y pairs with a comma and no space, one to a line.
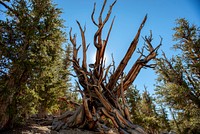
148,113
144,112
133,100
33,70
179,78
164,122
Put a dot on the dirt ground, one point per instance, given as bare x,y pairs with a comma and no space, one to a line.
39,129
43,126
29,129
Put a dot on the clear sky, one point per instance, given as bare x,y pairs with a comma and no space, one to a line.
129,14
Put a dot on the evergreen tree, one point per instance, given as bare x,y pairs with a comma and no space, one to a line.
179,78
33,68
149,114
143,111
134,98
164,122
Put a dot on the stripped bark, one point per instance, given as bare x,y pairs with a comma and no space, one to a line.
101,98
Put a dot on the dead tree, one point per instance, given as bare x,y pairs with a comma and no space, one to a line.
102,87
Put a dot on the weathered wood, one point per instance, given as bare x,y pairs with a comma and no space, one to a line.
125,60
100,99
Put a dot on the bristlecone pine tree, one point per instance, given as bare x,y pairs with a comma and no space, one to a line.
102,88
178,82
33,73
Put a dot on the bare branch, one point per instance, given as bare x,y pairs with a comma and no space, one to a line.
113,63
109,12
101,25
106,41
139,64
102,9
122,89
109,116
126,58
92,16
73,41
84,62
150,66
132,74
86,108
87,46
98,43
103,100
79,88
106,73
102,52
130,77
141,52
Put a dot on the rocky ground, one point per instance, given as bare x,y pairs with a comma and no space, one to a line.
39,129
29,129
43,126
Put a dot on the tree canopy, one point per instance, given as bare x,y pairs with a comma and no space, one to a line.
33,66
179,78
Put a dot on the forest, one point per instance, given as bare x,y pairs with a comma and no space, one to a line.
44,74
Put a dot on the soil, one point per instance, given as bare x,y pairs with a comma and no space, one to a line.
36,127
29,129
39,129
43,126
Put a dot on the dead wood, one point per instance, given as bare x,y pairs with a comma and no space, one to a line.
100,99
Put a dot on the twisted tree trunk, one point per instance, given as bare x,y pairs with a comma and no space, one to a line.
101,99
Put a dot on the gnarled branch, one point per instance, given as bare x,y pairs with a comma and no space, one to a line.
84,62
124,61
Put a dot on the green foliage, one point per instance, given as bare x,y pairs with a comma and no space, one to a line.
148,113
178,83
134,99
144,113
34,69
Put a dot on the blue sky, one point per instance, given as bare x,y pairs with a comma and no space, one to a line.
129,14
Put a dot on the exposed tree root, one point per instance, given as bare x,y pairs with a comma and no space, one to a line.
76,119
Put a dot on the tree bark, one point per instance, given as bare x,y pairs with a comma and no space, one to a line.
101,99
4,116
6,97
